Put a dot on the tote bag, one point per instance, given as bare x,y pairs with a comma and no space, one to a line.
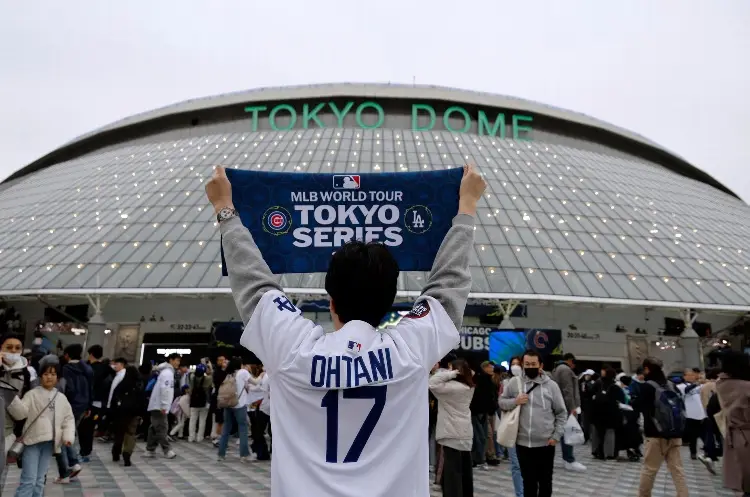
507,430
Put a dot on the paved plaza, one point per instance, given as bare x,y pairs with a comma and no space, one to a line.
196,473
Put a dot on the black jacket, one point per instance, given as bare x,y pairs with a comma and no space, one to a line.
605,405
79,386
128,400
485,395
103,375
645,403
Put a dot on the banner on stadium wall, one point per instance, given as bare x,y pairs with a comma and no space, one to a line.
479,338
298,219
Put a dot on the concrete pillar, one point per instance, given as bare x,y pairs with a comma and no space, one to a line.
95,334
690,344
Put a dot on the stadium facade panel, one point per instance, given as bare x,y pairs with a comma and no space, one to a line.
576,209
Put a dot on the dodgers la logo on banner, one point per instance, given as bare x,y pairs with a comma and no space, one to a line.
298,220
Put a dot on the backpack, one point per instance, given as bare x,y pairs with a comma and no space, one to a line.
198,397
227,396
152,382
669,411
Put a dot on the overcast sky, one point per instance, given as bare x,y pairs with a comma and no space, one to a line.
676,72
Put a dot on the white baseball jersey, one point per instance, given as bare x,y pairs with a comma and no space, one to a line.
350,408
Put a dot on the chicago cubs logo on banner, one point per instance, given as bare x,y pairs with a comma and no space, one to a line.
298,220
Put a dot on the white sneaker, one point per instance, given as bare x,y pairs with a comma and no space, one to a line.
170,454
246,459
485,466
708,463
149,454
575,466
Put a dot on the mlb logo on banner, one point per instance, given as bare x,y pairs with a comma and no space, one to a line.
298,220
346,182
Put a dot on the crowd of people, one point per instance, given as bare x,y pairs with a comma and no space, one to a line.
56,406
645,417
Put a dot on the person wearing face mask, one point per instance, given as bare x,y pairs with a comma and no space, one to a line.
118,366
515,469
15,381
541,423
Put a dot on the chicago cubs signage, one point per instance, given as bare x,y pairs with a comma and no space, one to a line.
298,220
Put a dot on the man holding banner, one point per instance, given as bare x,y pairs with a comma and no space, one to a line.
348,411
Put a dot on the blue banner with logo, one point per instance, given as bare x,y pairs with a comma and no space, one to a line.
298,219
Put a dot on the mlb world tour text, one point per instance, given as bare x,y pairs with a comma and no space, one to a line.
334,225
371,115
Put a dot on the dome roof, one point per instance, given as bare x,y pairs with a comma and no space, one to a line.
584,211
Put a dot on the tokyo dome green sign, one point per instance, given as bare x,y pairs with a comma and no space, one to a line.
371,115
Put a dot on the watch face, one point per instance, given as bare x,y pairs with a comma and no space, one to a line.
225,213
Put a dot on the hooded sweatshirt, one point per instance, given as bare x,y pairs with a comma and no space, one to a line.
543,417
79,386
163,393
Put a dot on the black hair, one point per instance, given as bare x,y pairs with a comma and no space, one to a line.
450,357
132,374
234,365
361,281
121,360
173,356
55,366
145,369
639,371
97,351
74,351
11,336
626,380
736,365
532,353
609,376
516,358
569,357
697,370
653,364
712,373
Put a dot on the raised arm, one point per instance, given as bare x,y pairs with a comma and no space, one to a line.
249,275
450,280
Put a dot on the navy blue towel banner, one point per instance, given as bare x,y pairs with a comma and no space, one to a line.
298,220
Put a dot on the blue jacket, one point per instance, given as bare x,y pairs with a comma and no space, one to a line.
79,386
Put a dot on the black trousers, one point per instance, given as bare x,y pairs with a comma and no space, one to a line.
693,431
258,432
458,480
86,431
537,464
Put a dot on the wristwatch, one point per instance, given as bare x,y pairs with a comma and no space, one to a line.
226,213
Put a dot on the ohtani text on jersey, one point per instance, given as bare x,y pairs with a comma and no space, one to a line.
350,371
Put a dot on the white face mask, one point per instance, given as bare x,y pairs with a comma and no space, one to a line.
11,358
516,370
37,341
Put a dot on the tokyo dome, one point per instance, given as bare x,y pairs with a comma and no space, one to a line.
576,209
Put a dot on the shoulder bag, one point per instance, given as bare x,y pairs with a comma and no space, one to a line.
16,450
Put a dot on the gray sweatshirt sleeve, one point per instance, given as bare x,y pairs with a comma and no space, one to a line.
450,280
507,401
249,275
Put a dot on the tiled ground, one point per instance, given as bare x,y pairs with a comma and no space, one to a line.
195,473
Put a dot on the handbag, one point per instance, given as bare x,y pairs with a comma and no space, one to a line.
16,449
507,430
